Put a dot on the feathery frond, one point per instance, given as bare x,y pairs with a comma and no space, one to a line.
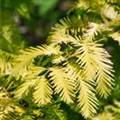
81,4
92,31
59,36
87,100
63,84
71,25
73,66
29,55
30,79
24,89
95,63
43,91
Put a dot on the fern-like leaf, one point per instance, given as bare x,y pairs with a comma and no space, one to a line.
58,37
63,84
96,64
86,61
87,100
27,57
80,4
92,31
23,89
43,91
30,79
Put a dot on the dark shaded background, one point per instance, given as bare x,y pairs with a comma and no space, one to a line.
43,14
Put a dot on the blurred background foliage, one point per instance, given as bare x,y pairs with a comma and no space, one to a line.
27,23
34,17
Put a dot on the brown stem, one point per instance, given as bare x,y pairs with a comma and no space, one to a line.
6,92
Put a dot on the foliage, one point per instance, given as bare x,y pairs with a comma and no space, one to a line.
72,67
45,6
111,112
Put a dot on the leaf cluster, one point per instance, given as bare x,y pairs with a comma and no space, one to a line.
73,66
